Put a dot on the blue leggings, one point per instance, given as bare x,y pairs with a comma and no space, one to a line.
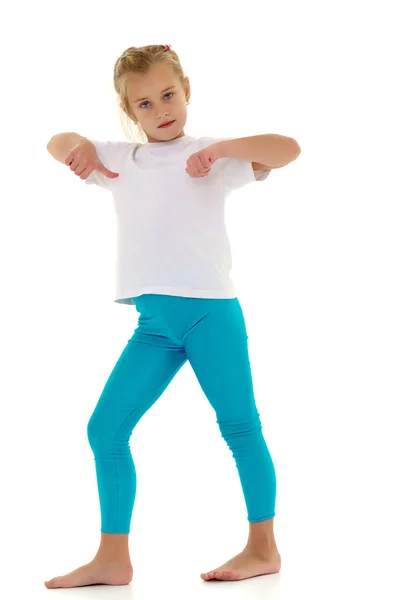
211,334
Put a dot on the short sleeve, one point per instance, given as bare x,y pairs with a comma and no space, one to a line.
233,173
113,155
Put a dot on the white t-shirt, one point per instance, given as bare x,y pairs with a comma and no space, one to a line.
171,234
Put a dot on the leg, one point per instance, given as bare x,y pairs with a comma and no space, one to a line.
145,368
217,350
261,541
140,376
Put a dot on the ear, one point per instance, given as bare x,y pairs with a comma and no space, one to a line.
187,89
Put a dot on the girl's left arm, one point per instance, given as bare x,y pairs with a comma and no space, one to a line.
269,151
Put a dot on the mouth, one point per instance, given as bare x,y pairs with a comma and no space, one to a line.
167,124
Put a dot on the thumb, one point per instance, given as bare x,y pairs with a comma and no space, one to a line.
100,167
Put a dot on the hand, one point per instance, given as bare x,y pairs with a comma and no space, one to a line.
199,163
83,160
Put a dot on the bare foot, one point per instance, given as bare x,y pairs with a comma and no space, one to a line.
243,566
95,572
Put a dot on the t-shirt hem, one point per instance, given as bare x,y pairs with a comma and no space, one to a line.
173,291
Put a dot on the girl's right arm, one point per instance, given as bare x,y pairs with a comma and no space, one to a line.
79,153
60,144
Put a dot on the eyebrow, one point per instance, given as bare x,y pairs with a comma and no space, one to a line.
166,89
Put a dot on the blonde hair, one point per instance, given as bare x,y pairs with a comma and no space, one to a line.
139,60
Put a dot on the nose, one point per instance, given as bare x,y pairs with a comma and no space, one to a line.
161,110
162,115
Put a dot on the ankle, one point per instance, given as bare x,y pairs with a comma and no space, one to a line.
263,551
112,557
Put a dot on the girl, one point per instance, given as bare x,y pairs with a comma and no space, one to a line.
173,264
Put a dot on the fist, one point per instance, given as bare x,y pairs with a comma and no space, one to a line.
199,163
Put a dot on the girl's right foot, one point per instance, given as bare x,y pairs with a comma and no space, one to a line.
98,571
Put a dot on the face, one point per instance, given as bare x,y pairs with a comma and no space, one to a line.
157,97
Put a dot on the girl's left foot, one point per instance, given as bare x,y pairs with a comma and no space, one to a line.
98,571
245,565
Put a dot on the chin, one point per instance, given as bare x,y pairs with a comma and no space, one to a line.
168,135
172,136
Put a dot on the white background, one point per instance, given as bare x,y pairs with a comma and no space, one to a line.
316,266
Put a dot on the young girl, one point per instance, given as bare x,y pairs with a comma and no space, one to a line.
173,264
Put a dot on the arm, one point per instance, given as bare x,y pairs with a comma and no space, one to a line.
269,151
61,143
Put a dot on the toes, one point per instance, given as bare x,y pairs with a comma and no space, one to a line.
207,576
226,575
214,575
220,575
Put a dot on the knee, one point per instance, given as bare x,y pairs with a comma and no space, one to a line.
106,434
94,431
241,428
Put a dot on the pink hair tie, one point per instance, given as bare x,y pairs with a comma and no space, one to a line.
168,47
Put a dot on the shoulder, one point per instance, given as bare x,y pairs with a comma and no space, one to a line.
114,147
115,153
208,140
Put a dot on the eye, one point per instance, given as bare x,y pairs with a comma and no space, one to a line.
167,94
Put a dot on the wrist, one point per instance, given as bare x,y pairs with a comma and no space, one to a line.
221,149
